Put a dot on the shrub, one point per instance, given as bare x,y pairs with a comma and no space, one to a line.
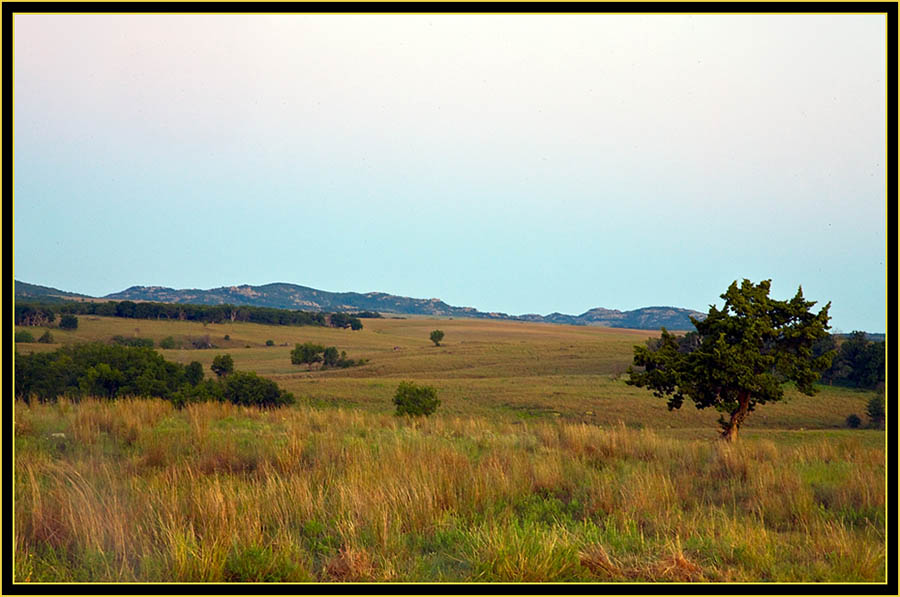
223,364
436,337
875,410
853,421
167,342
415,400
270,343
47,338
249,389
68,322
227,338
24,336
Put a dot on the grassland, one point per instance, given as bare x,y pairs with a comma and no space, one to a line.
540,465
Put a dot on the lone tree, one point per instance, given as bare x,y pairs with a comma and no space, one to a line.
436,337
742,356
222,365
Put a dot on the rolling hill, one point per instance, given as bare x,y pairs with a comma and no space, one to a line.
292,296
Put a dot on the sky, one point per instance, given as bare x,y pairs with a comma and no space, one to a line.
514,163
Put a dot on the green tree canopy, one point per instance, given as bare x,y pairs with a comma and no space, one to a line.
307,353
742,356
437,336
222,364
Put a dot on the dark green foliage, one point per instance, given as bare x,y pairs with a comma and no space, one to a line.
307,353
853,421
222,365
367,315
41,313
436,337
97,370
167,342
875,410
46,338
24,336
270,343
193,373
227,338
859,362
140,342
345,320
330,357
742,356
68,322
118,371
249,389
415,400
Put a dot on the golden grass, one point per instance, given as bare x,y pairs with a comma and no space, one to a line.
135,490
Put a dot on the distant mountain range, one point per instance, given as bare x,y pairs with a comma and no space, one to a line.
292,296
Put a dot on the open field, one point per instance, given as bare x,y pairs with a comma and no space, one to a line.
540,465
510,370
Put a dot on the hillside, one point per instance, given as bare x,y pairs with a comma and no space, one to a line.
293,296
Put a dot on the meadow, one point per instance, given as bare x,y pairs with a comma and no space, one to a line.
540,465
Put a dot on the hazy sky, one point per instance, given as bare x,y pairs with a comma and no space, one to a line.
525,164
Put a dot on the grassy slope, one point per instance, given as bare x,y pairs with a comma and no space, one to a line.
495,487
511,370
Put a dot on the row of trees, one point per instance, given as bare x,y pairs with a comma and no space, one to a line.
310,353
106,371
38,314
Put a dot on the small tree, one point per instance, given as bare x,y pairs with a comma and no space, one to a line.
306,353
330,357
223,365
167,342
875,411
436,337
853,421
47,338
415,400
744,354
68,322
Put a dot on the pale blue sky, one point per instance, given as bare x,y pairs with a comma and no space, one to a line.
526,164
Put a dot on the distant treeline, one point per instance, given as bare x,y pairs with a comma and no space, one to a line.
859,362
111,372
39,314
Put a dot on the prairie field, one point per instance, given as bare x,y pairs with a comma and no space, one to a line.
540,465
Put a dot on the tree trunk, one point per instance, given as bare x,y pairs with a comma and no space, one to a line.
737,417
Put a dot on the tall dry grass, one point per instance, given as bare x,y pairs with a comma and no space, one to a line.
137,491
